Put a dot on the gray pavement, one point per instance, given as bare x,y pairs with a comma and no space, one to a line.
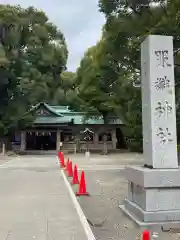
110,161
35,202
107,187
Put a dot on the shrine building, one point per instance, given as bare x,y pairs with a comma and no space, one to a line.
58,127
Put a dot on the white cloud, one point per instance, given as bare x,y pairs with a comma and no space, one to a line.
79,20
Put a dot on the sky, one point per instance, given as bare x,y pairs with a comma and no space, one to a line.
79,21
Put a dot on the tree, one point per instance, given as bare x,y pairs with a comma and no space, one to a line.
126,27
95,77
96,83
33,54
67,86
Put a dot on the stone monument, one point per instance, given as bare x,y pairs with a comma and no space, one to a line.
154,189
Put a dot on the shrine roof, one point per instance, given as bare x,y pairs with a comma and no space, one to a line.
48,114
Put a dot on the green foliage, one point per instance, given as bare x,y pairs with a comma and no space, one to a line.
125,29
33,54
110,70
95,80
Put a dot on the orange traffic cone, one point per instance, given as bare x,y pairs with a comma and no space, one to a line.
70,170
82,186
60,153
62,161
146,235
60,156
75,176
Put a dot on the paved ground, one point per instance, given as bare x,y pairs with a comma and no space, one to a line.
109,162
35,203
108,187
5,159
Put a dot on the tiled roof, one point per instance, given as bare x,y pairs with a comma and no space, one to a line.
62,114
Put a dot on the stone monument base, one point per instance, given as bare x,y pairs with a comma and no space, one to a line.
153,196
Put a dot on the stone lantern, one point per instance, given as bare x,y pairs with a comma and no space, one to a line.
87,137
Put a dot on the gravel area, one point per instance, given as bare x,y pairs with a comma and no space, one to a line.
107,190
107,160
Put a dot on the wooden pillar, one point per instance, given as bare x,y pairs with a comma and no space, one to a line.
96,139
58,140
114,140
23,141
78,144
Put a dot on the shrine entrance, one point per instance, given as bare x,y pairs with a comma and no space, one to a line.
41,141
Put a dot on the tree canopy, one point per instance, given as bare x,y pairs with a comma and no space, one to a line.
33,54
109,73
95,78
33,58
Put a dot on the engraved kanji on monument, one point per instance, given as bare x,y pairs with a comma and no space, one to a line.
158,102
